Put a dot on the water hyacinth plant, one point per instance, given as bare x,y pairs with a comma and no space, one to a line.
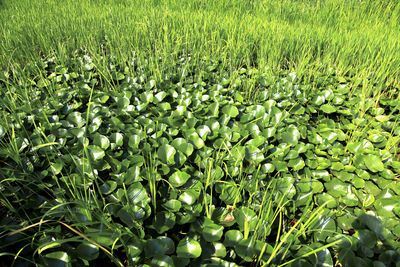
139,140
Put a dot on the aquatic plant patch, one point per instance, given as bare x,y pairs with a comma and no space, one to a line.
193,170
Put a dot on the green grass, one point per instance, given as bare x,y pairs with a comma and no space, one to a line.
78,194
357,36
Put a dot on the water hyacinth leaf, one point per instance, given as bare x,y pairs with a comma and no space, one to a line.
291,135
188,197
318,100
213,250
130,215
2,131
346,221
267,168
88,251
324,258
101,141
132,175
195,139
246,218
324,227
253,154
96,152
117,139
212,232
188,248
232,238
58,258
136,193
366,238
280,166
154,247
76,118
134,247
230,110
326,198
203,131
301,263
56,167
108,187
373,163
173,205
164,221
327,108
166,154
229,192
336,188
162,261
296,164
246,249
183,146
178,178
134,141
384,206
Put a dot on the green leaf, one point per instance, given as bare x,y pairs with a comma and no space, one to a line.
213,250
88,251
336,188
56,167
2,131
366,238
327,108
246,218
134,247
291,135
373,163
246,249
101,141
136,193
164,221
189,197
324,228
318,100
195,139
76,118
296,164
188,248
159,246
166,154
58,259
183,146
230,110
130,215
96,152
254,155
108,187
212,232
172,205
232,238
178,178
134,141
162,261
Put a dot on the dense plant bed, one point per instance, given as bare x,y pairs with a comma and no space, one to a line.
201,168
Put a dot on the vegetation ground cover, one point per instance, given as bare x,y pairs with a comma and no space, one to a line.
199,133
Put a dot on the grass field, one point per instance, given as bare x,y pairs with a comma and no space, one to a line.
360,36
202,132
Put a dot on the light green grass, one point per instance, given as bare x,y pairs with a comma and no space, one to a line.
355,35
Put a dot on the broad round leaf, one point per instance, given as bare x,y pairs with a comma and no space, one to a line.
188,248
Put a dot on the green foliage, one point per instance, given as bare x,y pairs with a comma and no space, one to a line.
200,147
